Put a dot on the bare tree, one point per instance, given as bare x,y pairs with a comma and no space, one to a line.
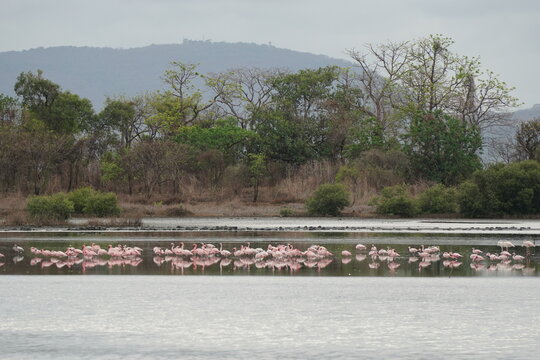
241,92
425,75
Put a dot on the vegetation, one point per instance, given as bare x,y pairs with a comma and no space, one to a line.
83,201
395,200
438,199
414,113
285,212
512,189
57,207
328,199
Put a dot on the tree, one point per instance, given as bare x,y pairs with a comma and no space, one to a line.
181,105
298,124
225,137
10,110
60,111
442,148
424,75
36,92
68,114
528,140
243,92
257,168
125,118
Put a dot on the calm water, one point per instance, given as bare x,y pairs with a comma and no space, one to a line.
359,264
339,307
212,317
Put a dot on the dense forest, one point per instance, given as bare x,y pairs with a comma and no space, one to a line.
408,118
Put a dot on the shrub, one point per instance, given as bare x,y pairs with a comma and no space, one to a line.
80,197
438,199
285,212
102,204
512,189
328,199
56,206
395,200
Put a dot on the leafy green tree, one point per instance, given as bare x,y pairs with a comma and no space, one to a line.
308,117
60,111
118,116
68,114
225,137
442,148
368,135
36,92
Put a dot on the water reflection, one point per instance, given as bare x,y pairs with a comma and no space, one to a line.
298,258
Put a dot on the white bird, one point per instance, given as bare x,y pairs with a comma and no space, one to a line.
527,244
17,249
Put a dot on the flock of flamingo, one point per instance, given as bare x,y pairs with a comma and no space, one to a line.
87,257
272,257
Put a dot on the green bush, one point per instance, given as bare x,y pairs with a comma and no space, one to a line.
102,204
285,212
80,197
438,199
395,200
502,189
328,199
56,206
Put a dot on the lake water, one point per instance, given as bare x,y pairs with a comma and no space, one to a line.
212,317
336,307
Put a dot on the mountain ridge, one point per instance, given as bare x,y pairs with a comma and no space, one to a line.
97,72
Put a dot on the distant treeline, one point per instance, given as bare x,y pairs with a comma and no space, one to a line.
410,112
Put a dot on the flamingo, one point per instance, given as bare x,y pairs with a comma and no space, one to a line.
518,257
528,244
2,255
505,244
361,247
413,250
346,253
223,253
476,258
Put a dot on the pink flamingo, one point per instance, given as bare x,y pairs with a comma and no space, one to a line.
346,253
361,247
518,257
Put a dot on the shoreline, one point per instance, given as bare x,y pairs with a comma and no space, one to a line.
293,224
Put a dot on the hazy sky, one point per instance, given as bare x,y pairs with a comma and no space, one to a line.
505,34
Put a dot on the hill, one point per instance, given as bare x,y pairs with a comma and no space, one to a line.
527,114
95,73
